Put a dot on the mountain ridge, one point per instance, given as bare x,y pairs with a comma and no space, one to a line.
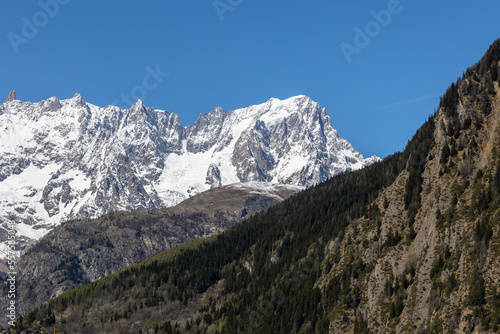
67,159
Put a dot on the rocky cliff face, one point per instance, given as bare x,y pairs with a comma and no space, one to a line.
67,160
444,274
11,97
79,252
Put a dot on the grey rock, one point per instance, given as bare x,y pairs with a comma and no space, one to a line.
213,177
12,96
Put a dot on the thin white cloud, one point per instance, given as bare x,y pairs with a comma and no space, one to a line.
404,103
393,105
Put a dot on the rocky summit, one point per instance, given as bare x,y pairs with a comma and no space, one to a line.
11,97
63,160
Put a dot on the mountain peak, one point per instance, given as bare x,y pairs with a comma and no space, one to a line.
137,105
78,100
298,102
298,97
217,110
11,97
291,98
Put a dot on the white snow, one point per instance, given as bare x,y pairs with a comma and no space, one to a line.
266,188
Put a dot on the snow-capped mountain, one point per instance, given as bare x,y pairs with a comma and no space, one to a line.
67,159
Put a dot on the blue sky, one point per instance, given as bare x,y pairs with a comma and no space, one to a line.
234,53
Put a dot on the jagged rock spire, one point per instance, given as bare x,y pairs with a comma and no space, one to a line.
12,96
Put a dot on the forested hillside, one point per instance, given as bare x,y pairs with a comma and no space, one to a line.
81,252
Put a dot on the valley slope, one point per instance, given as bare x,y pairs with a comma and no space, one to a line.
80,252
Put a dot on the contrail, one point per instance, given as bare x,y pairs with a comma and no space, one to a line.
405,102
395,104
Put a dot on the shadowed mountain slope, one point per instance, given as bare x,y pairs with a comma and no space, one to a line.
79,252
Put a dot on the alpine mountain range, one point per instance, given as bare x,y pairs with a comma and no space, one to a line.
63,160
